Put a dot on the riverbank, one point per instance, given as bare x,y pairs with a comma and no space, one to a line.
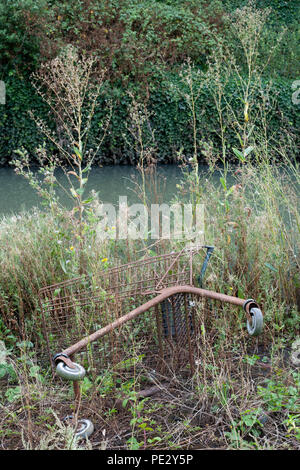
244,393
229,96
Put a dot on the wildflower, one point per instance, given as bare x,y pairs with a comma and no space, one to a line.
71,248
104,260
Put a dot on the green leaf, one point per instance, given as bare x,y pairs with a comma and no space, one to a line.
13,394
80,191
87,168
34,371
57,292
239,155
268,265
134,444
77,153
240,139
230,190
87,201
63,266
248,150
222,180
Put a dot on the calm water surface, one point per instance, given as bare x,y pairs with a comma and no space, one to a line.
110,182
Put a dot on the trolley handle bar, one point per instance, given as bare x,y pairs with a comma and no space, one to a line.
162,295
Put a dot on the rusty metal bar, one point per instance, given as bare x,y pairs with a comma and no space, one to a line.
168,268
162,295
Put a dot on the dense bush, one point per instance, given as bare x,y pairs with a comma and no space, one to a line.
129,36
170,118
22,28
142,45
126,35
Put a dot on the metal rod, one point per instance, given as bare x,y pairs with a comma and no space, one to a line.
162,295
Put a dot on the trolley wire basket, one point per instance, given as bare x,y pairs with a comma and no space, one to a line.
78,307
143,312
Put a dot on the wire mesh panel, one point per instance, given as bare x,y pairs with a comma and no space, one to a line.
148,275
137,323
76,308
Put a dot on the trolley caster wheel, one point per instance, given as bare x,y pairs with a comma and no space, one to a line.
255,327
295,355
70,374
84,429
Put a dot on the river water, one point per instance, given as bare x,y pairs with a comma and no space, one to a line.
111,182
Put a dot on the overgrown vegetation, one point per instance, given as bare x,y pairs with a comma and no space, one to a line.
245,392
142,46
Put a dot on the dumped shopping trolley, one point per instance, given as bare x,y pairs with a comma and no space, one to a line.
151,302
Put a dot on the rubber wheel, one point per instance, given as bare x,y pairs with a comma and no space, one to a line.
257,322
295,357
84,429
70,374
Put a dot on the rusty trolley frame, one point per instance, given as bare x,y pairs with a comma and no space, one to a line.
98,311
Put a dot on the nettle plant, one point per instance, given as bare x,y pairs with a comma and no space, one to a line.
71,87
